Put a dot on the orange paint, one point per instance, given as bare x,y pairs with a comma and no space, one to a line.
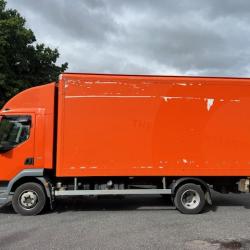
118,125
114,125
39,103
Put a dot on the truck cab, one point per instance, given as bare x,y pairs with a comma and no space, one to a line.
26,137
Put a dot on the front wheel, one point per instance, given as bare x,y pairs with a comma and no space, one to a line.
29,199
190,199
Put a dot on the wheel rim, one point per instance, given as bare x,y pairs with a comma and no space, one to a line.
28,199
190,199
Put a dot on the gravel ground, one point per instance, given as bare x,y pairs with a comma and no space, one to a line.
130,223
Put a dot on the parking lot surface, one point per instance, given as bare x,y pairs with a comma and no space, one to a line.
130,223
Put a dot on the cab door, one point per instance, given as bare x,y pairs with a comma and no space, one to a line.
17,133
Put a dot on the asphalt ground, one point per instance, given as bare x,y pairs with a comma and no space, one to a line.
137,222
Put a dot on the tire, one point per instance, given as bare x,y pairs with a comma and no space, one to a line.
29,199
190,199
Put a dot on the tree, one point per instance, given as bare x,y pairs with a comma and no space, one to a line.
23,63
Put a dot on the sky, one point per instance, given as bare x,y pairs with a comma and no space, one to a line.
164,37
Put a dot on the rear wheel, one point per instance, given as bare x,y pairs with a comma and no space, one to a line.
29,199
190,199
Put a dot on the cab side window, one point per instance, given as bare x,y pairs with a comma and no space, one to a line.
14,129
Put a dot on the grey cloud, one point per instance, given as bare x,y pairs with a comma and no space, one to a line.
234,9
145,36
81,20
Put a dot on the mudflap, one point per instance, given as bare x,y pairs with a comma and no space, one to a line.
208,197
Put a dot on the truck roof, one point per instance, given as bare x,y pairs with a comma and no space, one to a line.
154,76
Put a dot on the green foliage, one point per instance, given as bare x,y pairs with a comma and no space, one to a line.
23,64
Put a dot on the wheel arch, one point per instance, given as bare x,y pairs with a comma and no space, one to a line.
23,180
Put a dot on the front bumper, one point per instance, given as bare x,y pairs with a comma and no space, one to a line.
4,199
5,196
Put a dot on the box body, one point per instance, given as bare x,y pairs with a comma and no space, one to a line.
118,125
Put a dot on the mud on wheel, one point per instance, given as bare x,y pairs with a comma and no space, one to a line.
29,199
189,199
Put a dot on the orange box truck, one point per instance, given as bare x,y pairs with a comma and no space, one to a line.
103,134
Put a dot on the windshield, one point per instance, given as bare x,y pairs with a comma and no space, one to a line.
14,130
